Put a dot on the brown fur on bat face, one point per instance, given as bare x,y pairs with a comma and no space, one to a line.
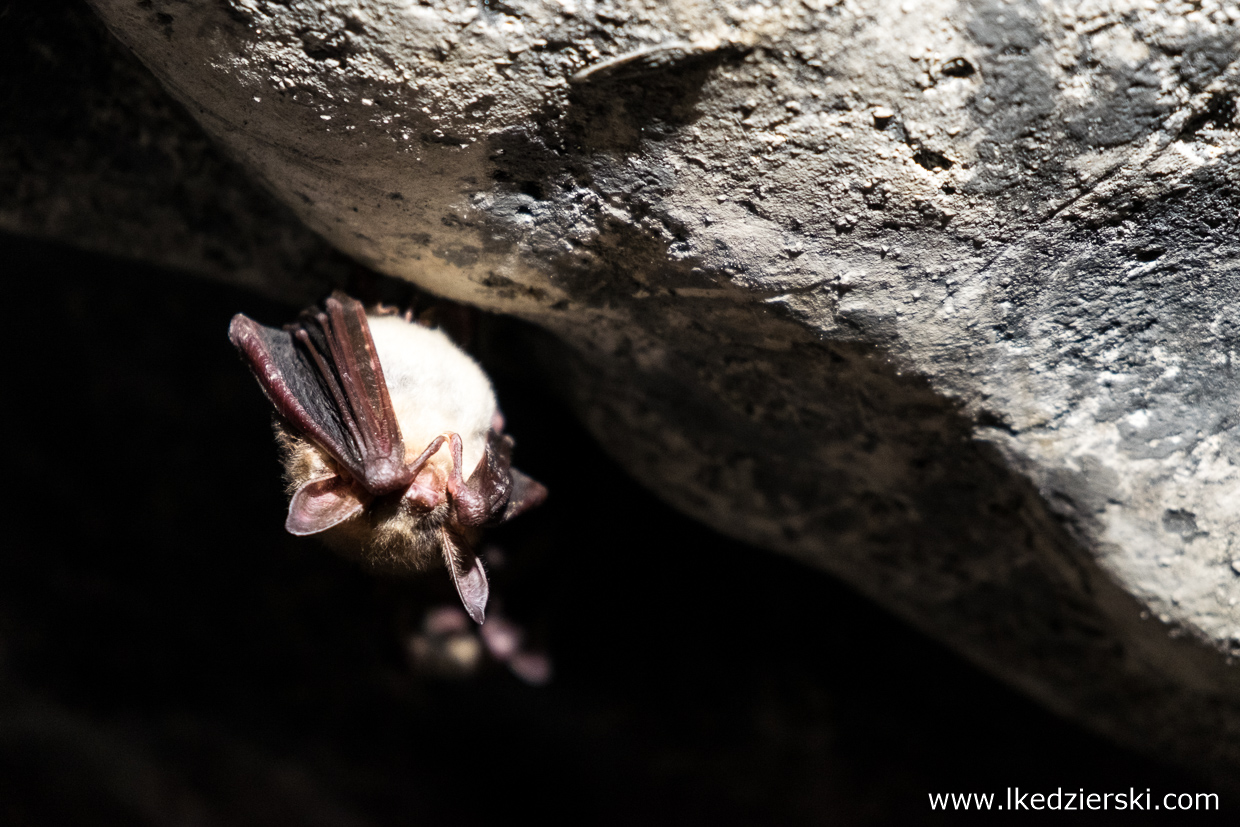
393,446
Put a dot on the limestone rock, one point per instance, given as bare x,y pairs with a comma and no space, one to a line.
94,153
943,297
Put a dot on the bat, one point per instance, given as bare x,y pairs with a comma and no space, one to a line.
393,445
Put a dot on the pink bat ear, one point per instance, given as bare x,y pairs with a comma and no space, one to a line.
320,504
467,574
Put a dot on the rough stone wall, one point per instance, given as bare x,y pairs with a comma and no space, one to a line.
94,153
938,296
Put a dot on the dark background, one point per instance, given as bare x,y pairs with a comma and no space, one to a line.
168,655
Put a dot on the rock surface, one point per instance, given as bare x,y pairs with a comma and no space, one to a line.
94,153
941,297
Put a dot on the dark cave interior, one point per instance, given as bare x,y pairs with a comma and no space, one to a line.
169,655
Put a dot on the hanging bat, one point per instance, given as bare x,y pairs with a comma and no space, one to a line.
393,446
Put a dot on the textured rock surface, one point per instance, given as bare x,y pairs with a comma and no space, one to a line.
92,152
939,297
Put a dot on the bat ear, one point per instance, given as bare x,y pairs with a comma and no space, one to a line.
467,575
320,504
526,493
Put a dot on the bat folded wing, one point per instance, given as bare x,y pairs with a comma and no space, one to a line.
495,492
526,493
323,377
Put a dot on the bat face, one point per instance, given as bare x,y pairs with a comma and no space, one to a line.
393,445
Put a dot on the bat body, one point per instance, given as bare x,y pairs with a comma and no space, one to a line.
393,444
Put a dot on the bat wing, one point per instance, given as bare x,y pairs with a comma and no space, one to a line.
495,473
495,492
526,493
323,376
